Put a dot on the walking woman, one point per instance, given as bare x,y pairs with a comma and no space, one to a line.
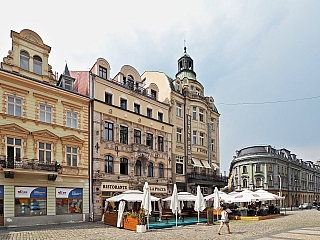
224,220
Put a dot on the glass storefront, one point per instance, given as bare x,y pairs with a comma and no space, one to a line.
30,201
68,200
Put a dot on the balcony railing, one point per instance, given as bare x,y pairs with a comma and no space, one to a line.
29,164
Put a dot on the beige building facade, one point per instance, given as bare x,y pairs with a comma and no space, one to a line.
44,139
195,135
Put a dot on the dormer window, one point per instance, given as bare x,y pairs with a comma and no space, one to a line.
102,72
37,65
68,84
154,94
24,60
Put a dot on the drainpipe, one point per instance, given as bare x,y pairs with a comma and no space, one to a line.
91,94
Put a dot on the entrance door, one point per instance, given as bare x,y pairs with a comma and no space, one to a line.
1,212
10,157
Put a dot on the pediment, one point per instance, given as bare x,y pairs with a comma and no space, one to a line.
72,139
45,134
13,128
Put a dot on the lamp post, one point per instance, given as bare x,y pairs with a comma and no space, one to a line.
296,181
280,193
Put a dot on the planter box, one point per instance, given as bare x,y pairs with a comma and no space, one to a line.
141,228
130,223
110,219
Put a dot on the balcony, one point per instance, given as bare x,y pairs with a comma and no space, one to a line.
28,164
203,178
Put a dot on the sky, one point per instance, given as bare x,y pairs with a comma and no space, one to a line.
258,59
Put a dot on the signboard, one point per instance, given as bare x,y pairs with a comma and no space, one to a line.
189,152
114,187
30,192
158,189
210,127
68,192
1,191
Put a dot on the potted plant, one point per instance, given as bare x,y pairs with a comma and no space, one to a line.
141,227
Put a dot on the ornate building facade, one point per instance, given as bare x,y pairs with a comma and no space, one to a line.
44,139
277,170
195,155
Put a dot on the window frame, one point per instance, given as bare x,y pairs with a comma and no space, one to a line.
45,150
123,103
71,162
108,164
124,134
15,106
137,136
149,112
72,118
136,108
108,98
178,109
160,143
149,140
103,72
108,132
179,135
46,113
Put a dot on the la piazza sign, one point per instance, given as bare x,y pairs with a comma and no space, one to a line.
158,189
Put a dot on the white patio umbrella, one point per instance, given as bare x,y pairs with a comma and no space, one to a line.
216,200
265,195
146,201
174,204
222,196
130,196
245,196
200,203
122,205
183,196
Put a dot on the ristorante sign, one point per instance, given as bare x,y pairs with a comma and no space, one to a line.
114,187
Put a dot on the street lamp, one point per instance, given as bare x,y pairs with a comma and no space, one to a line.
296,181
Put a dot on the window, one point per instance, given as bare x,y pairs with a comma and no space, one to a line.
149,112
201,115
212,145
123,134
137,136
160,144
137,168
244,169
244,183
270,167
68,84
45,113
14,151
108,98
102,72
124,166
194,113
154,94
160,170
108,164
149,140
258,182
37,65
72,156
24,60
64,204
136,108
178,110
15,106
201,138
258,167
179,164
108,131
123,103
150,170
160,116
72,119
30,204
45,150
194,137
179,135
270,182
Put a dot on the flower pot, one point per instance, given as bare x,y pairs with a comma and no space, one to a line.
141,228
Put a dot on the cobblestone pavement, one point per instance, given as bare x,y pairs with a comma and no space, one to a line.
295,225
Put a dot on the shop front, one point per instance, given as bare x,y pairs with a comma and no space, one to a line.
1,206
110,189
69,201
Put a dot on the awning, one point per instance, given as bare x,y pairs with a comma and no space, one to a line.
205,163
196,163
215,166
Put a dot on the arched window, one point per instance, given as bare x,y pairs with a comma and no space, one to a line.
150,169
108,164
137,168
258,182
37,65
161,171
124,166
244,183
24,60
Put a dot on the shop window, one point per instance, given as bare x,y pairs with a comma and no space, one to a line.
30,201
137,168
150,169
24,60
68,200
160,144
14,106
45,152
149,140
123,134
124,166
108,131
108,164
45,114
72,156
72,119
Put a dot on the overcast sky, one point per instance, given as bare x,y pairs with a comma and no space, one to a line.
259,60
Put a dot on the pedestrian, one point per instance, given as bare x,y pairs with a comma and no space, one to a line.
224,220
